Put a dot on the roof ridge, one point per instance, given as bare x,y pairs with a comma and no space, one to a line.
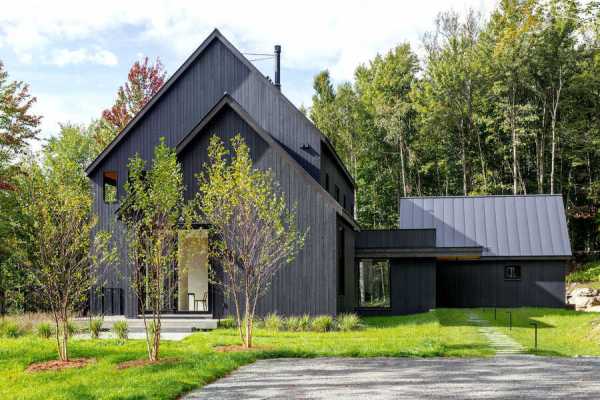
483,196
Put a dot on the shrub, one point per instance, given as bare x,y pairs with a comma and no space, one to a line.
120,329
322,323
10,329
227,323
273,322
348,322
589,272
95,327
44,330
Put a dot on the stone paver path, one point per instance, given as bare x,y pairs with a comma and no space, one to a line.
503,344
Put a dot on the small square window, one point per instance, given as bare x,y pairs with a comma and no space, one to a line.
512,273
109,187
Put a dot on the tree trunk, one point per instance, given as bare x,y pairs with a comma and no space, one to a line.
514,147
463,157
248,321
402,168
556,101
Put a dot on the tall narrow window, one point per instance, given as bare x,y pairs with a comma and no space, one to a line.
337,194
344,205
374,283
327,182
109,187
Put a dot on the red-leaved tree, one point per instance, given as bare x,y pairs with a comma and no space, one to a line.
143,81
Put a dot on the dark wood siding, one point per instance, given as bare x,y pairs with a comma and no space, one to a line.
308,285
412,288
332,172
347,300
482,284
396,238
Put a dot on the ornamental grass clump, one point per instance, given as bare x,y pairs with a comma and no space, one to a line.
121,330
348,322
44,330
322,323
95,327
292,324
273,322
227,323
10,329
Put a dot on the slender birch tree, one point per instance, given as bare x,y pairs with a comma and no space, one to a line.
253,232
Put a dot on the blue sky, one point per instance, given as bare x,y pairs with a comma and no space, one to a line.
75,54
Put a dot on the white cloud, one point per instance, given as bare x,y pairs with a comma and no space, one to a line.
314,33
64,57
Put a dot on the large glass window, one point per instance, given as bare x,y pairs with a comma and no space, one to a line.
374,283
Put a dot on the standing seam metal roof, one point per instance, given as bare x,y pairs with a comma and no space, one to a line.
505,226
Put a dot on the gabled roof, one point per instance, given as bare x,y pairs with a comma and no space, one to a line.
215,35
505,226
228,101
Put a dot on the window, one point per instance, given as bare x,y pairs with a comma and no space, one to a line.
374,283
337,194
109,187
344,205
327,182
512,273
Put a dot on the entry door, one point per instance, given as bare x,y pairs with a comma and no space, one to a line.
193,282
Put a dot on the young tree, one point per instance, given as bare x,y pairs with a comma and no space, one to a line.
151,213
143,81
62,257
254,233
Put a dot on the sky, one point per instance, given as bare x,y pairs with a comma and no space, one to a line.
75,54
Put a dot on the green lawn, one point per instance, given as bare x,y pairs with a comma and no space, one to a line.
437,333
560,332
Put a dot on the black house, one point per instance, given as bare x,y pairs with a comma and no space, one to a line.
439,257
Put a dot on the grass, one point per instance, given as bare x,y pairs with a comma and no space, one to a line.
437,333
561,332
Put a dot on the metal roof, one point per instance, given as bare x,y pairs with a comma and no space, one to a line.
505,226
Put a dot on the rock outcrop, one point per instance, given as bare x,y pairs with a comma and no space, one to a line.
583,298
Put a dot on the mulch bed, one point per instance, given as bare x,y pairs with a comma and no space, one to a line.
146,362
57,365
239,347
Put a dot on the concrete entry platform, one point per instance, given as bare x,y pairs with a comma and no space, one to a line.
511,377
171,323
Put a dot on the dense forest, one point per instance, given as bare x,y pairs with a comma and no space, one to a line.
505,103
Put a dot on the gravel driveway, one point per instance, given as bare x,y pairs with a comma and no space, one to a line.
405,378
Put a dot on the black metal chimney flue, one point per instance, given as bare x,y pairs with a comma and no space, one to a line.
278,66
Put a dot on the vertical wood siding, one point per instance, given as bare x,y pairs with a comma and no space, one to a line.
482,284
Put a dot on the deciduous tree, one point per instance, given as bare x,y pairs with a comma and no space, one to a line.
254,234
